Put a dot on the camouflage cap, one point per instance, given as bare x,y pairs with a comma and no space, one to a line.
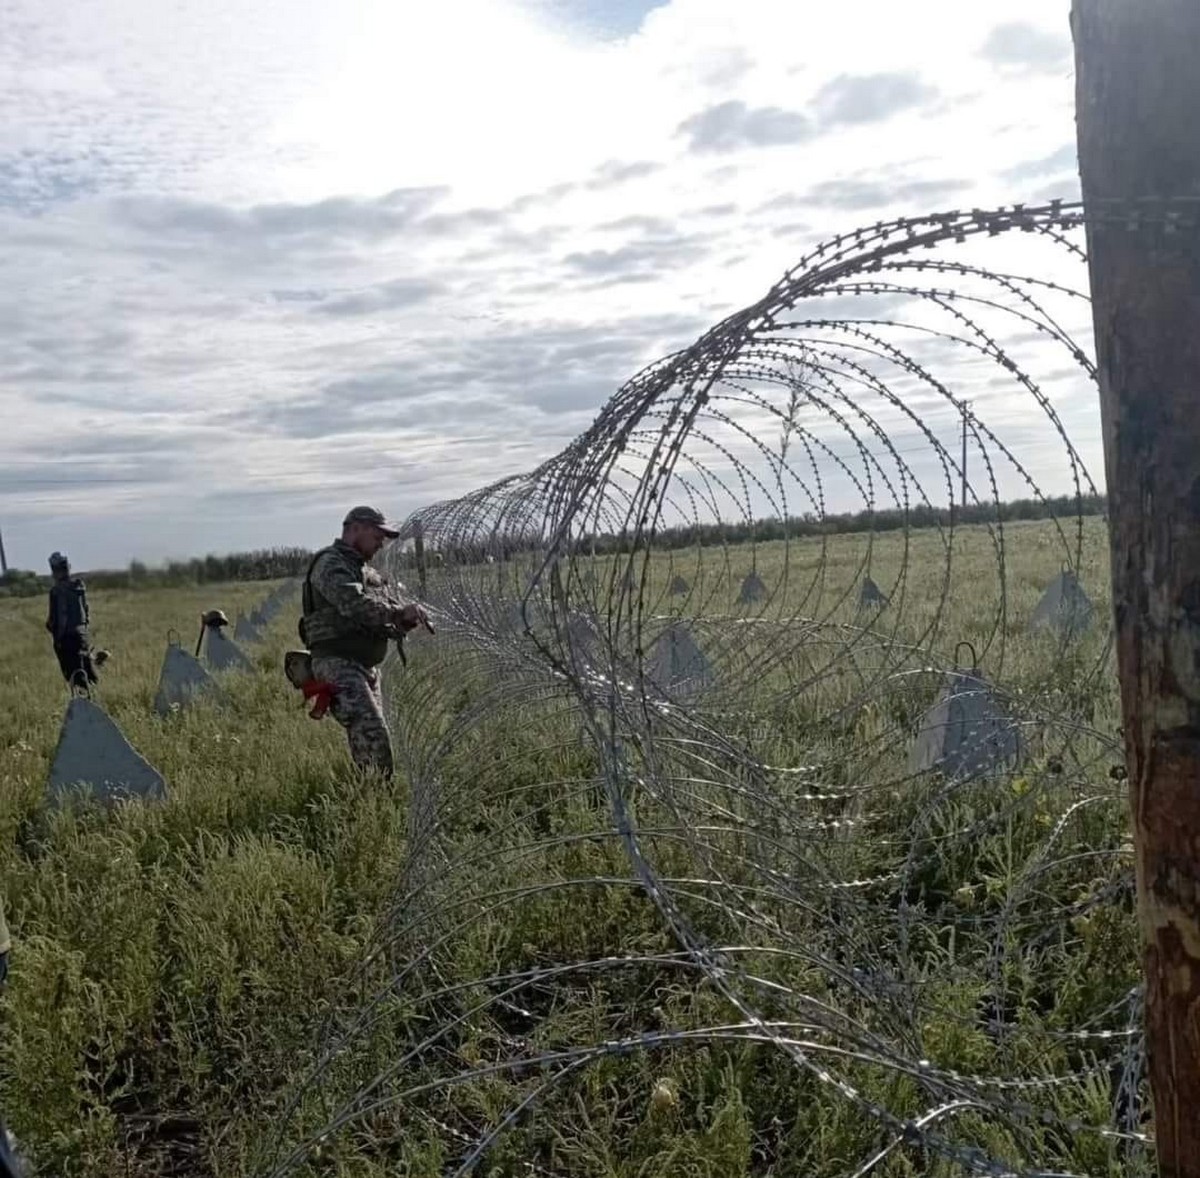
371,515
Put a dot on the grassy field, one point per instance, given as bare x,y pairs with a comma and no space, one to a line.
167,958
179,969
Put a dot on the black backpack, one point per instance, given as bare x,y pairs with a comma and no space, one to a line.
70,605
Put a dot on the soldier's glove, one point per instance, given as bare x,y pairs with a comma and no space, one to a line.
412,616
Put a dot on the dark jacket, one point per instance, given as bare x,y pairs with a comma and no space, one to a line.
68,608
349,610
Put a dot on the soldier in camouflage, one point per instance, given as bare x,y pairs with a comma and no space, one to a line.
350,614
68,622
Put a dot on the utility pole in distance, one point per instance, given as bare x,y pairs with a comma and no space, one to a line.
3,558
1137,94
964,458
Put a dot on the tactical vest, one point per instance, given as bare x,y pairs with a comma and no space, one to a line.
325,631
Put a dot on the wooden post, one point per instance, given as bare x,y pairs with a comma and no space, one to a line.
419,553
964,460
1137,105
3,558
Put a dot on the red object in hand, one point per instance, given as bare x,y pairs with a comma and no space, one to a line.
322,693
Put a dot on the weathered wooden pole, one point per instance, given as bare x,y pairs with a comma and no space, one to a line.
419,554
964,460
1138,126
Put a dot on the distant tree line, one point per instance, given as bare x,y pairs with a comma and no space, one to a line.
276,563
21,583
761,531
267,564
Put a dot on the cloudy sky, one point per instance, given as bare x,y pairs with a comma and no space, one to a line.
262,260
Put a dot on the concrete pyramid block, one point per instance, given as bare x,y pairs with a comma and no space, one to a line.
280,594
516,615
678,586
181,679
966,734
223,654
510,618
753,589
676,663
1064,608
92,751
245,630
870,596
582,634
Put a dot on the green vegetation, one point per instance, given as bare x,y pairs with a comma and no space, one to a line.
264,564
919,516
22,583
176,968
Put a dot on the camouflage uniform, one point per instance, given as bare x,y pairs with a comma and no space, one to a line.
67,622
350,616
357,705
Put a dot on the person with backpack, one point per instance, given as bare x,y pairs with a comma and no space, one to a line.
68,623
350,613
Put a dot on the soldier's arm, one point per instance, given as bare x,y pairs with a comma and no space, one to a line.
50,613
385,587
337,583
412,612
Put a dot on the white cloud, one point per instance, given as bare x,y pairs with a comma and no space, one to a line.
1026,48
732,125
465,224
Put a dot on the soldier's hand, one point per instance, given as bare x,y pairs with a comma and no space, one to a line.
414,615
